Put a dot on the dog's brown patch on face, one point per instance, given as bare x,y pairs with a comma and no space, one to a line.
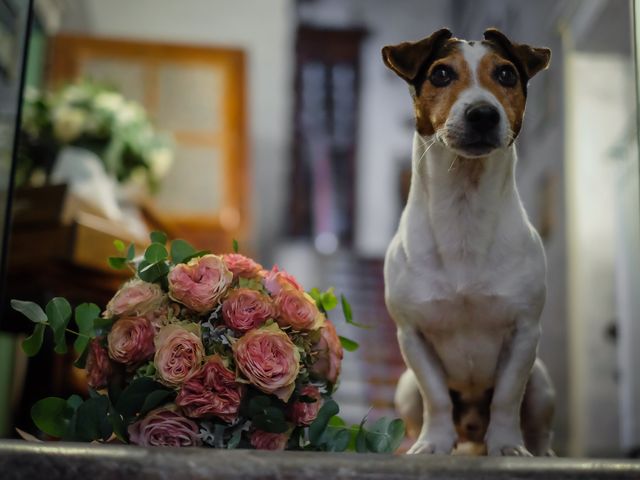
432,104
512,98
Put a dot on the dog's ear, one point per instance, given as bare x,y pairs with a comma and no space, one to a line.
406,58
530,60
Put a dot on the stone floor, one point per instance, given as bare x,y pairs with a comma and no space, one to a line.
67,461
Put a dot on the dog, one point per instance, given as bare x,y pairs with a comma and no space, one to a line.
465,273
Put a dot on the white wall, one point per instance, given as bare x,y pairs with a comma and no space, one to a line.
264,29
386,113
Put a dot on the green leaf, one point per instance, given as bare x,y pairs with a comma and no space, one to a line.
131,252
258,404
152,272
132,398
337,439
119,244
117,424
158,237
85,315
329,300
200,253
337,421
348,315
32,345
180,250
92,420
348,344
59,313
396,431
317,296
154,400
117,263
236,246
82,351
319,425
31,310
272,420
74,401
235,439
155,253
52,415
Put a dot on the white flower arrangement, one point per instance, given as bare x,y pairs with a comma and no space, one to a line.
95,117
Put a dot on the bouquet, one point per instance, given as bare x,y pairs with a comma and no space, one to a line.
204,350
100,119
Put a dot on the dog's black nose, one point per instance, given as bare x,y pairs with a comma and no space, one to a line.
482,117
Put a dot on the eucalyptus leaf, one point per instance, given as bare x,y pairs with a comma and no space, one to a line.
319,425
119,244
59,313
31,310
85,315
52,416
155,253
152,272
117,263
158,237
32,344
92,420
348,344
236,246
154,400
131,252
117,424
348,315
180,250
132,398
328,300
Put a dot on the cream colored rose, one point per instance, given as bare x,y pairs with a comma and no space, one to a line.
179,353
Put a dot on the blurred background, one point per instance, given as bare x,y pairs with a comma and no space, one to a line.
275,123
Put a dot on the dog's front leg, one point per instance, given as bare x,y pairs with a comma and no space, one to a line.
504,435
438,434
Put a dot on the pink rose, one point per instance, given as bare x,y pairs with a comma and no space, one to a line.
98,366
200,283
164,427
245,309
304,413
298,310
277,280
136,298
131,340
241,266
179,353
213,390
329,353
269,360
262,440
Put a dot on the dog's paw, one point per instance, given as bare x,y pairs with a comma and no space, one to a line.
433,445
511,451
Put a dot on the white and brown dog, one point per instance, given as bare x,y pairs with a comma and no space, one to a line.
465,272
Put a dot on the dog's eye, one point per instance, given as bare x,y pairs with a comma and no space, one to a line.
442,75
506,76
